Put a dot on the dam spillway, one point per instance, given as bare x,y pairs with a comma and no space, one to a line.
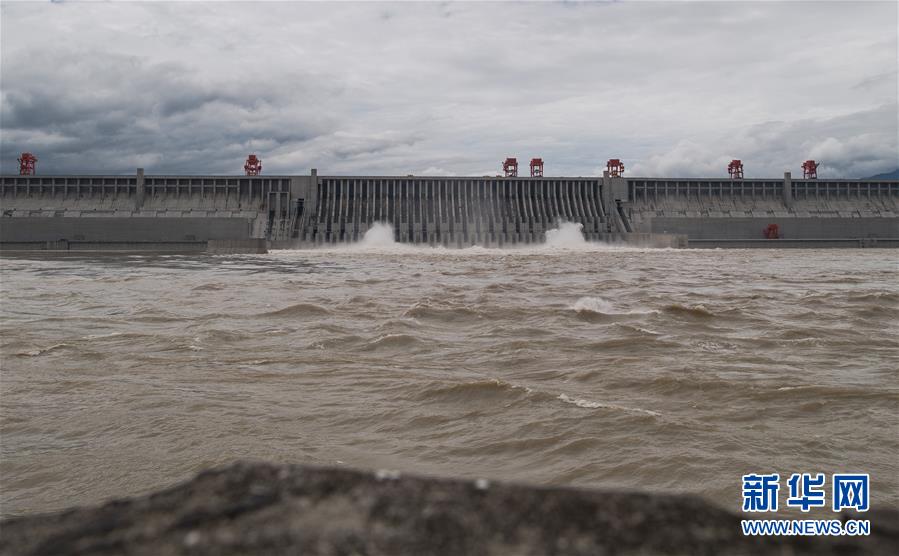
188,212
454,211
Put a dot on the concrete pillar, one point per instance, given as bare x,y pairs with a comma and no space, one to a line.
139,197
788,190
312,201
402,208
607,199
358,208
551,205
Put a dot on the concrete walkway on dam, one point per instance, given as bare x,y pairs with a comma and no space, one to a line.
187,212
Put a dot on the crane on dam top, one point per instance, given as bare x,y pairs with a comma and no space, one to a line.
536,167
27,163
810,170
614,167
735,169
253,166
510,167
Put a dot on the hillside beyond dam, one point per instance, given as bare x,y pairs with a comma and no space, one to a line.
234,213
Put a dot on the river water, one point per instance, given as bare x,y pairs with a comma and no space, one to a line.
565,364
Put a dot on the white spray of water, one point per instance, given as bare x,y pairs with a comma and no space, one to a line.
602,306
588,404
594,305
379,236
567,235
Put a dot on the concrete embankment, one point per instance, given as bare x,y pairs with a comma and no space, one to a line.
276,509
236,246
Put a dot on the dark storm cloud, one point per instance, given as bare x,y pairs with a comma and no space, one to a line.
109,111
672,88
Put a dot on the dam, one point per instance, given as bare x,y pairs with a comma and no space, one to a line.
193,212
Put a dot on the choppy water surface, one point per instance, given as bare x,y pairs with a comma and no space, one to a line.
623,368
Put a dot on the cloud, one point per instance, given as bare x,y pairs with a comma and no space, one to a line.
100,119
857,144
672,88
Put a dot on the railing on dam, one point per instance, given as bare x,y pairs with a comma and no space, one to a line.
830,189
653,188
239,189
453,211
268,197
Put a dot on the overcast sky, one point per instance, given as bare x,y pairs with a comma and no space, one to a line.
673,89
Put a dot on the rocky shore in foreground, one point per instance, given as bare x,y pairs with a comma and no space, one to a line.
260,508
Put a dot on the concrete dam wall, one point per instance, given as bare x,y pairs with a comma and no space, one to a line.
736,212
454,211
147,212
188,212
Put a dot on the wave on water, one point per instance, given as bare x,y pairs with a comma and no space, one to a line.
217,336
699,311
492,388
90,337
467,391
41,351
442,311
210,287
392,341
593,305
877,297
804,392
153,315
599,306
587,404
637,329
298,310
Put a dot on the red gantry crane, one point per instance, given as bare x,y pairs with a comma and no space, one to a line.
26,164
536,167
510,167
810,170
253,166
735,169
615,167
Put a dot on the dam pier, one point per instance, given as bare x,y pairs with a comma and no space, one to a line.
255,212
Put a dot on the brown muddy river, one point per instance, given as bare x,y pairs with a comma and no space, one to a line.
661,370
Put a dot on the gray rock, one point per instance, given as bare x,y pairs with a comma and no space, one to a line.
259,508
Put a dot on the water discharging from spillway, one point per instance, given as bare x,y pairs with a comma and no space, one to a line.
566,235
379,236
